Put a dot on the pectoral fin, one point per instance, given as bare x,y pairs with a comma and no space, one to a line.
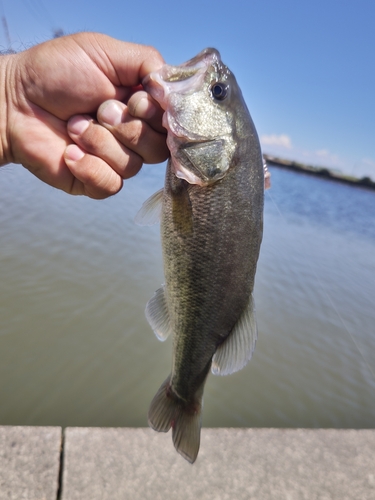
235,352
150,212
157,315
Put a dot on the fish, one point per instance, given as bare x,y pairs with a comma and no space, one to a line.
211,216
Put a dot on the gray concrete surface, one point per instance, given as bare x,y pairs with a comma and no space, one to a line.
233,464
29,462
251,464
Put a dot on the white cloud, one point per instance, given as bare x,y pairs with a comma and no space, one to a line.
369,162
281,140
322,152
325,155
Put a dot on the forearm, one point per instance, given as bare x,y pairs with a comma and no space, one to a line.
5,91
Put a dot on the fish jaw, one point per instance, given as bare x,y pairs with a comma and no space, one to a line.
159,84
184,92
185,78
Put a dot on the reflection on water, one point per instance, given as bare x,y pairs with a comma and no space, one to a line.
75,348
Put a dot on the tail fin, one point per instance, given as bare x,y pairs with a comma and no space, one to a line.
168,410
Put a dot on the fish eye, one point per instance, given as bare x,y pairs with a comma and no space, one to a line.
219,91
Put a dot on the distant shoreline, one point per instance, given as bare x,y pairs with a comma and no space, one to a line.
322,172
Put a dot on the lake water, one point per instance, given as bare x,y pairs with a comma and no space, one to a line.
75,275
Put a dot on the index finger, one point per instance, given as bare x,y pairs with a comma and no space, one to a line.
142,105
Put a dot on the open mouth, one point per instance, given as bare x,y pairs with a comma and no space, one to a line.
179,74
174,79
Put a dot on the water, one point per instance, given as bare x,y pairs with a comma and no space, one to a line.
75,275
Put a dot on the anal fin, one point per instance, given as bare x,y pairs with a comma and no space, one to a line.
236,350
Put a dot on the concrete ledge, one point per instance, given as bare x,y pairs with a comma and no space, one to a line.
251,464
29,462
259,464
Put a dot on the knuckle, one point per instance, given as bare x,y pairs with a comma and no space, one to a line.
158,153
103,187
99,180
133,166
132,132
153,53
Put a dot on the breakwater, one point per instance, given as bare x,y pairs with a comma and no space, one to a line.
322,172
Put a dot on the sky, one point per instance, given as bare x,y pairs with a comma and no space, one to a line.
306,68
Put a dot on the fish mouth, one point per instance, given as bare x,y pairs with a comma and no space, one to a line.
179,74
173,79
185,78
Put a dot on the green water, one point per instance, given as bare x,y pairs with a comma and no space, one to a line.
75,275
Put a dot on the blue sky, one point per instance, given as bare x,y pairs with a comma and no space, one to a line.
306,68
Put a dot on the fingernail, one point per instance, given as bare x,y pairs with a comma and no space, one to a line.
111,113
78,124
144,109
74,153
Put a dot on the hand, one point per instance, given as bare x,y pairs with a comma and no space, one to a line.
45,86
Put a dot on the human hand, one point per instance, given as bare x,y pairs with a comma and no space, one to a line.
47,85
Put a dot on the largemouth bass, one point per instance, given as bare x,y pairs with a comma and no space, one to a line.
211,212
